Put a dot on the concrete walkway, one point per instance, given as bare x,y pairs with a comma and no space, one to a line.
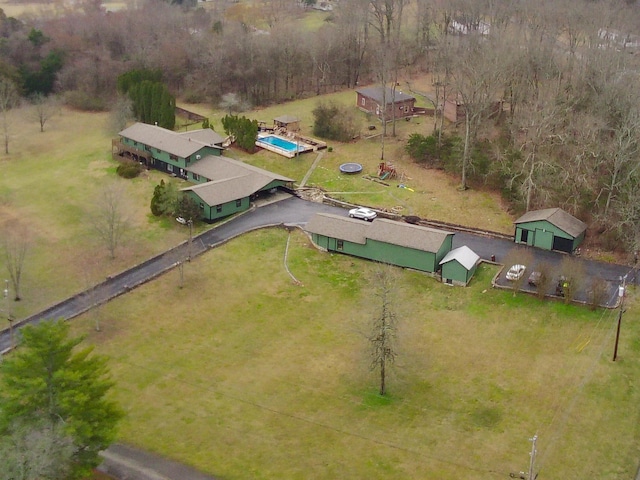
311,169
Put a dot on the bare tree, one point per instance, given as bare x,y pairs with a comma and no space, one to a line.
597,293
109,217
121,114
8,99
36,451
477,80
44,107
573,273
383,326
232,103
16,240
545,279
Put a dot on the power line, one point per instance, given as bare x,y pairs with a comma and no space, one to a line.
577,392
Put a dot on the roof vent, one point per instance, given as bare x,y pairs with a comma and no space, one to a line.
198,157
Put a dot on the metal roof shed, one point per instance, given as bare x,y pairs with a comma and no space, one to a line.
459,265
550,229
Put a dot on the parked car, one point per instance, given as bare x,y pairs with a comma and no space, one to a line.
516,272
534,278
363,213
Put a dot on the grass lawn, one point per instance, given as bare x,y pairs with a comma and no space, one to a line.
268,379
50,182
433,195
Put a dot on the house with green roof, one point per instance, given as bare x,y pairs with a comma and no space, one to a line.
550,229
383,240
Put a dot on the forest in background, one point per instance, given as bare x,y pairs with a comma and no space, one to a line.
565,71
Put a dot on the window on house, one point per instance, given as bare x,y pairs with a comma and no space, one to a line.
340,244
363,101
173,157
238,203
196,176
218,208
169,167
202,206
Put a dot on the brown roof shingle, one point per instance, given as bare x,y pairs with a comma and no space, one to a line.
558,217
174,143
381,229
229,179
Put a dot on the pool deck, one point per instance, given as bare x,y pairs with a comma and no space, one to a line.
305,144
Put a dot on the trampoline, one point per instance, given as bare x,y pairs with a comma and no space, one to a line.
350,168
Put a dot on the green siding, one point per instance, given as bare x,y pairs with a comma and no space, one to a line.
446,247
541,234
382,252
455,271
211,213
165,157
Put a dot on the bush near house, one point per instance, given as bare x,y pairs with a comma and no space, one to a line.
243,129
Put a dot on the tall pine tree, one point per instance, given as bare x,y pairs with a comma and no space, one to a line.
51,379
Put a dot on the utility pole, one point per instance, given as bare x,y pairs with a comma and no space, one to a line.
532,461
620,312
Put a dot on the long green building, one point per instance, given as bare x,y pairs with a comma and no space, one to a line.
388,241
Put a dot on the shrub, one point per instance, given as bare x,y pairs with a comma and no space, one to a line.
129,169
419,147
334,122
188,208
243,129
84,101
598,293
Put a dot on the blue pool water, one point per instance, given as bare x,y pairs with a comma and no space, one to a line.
280,143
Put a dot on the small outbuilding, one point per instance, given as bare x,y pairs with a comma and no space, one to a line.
550,229
459,265
388,102
288,122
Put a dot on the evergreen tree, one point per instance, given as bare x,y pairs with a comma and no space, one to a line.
49,378
150,99
243,129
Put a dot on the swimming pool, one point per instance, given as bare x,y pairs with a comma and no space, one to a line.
282,143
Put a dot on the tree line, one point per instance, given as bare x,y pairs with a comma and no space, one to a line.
563,71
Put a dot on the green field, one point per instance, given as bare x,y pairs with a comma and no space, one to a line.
247,375
262,378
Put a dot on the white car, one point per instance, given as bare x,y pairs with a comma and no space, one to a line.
516,272
363,213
